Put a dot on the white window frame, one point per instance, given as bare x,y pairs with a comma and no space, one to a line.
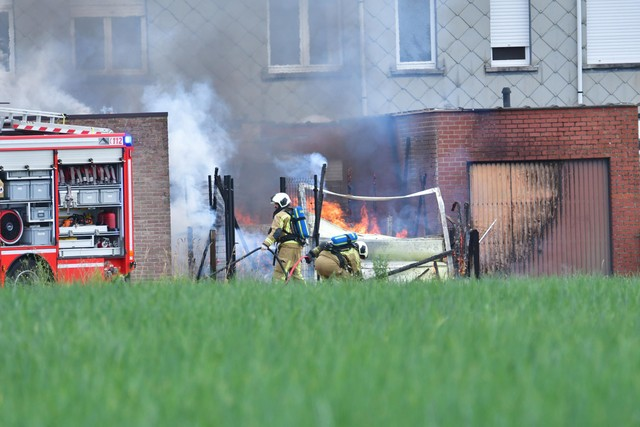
613,32
510,26
305,65
107,11
418,65
7,6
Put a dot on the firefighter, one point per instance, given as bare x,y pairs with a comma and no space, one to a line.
288,246
339,262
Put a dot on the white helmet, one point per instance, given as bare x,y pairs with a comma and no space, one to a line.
281,199
363,250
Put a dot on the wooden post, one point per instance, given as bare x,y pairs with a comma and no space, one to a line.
213,256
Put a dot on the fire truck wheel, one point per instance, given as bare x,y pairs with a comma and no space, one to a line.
29,271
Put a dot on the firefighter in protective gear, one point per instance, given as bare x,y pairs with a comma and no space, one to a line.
339,262
288,247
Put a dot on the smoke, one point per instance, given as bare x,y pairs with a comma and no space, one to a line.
301,166
197,144
40,84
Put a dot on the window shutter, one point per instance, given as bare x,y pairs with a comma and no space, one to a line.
509,23
613,31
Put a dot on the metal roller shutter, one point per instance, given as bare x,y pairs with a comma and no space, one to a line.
551,218
20,160
509,23
96,155
613,31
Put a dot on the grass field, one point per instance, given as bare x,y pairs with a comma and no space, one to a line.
552,352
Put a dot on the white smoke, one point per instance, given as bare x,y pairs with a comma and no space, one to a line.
197,144
39,84
301,166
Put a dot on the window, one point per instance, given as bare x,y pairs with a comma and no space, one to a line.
613,33
416,34
7,56
304,35
510,30
110,38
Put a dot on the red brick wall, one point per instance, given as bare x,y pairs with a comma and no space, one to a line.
152,214
609,132
420,161
443,143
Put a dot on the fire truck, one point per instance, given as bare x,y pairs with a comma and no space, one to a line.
66,200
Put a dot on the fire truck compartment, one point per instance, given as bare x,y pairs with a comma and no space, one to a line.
42,173
90,252
22,174
36,236
17,174
17,190
83,230
28,190
73,198
74,242
40,190
108,197
40,213
87,197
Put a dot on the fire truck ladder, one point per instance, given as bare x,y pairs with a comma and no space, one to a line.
43,121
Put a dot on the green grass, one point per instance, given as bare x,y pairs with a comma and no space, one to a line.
525,352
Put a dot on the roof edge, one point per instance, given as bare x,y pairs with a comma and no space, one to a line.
117,115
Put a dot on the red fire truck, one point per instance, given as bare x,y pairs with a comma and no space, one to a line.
66,200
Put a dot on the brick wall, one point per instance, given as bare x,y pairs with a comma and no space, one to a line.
416,136
152,214
441,146
609,132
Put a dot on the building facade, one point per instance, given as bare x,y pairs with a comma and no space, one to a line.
266,66
298,60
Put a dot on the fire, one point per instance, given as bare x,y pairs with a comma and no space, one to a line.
332,211
366,225
244,219
403,234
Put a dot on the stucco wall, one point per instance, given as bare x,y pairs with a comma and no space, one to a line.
225,44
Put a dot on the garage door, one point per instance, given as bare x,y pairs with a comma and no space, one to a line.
549,218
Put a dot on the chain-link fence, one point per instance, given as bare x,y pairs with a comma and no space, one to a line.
209,256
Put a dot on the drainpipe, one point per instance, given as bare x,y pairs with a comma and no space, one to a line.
579,41
363,70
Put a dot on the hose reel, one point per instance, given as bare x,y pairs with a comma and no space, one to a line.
10,226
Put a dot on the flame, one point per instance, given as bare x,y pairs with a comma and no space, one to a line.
332,212
366,225
404,233
244,219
